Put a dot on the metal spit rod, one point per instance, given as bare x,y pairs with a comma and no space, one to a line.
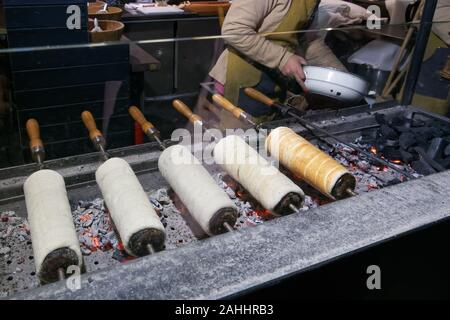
151,131
38,154
99,142
255,94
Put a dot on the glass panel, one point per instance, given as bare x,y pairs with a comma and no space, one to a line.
52,73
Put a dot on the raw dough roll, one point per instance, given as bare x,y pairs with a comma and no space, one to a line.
205,200
55,242
135,219
309,163
266,183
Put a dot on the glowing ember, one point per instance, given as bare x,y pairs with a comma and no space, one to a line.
94,227
246,209
264,213
373,150
96,242
85,217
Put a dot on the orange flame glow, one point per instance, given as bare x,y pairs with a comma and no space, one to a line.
96,242
262,213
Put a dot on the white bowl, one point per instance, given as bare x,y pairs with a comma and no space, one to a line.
335,84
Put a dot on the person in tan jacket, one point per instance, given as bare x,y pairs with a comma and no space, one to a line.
441,27
252,54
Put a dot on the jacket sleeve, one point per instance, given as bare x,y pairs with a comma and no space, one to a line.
241,28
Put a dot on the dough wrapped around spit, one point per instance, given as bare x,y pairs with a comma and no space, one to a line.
309,163
54,239
133,215
267,184
206,201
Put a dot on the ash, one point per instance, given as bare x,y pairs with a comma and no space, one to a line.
248,216
177,228
96,231
369,176
99,242
15,254
13,229
94,227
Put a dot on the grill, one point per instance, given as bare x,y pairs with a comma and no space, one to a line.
263,248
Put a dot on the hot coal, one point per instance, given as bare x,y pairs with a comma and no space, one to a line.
388,132
369,175
424,156
380,118
406,140
446,162
393,153
94,227
368,137
249,211
421,143
423,167
96,230
406,156
436,147
391,143
447,150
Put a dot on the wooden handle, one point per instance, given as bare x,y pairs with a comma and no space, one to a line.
227,105
89,123
34,134
185,111
259,96
139,117
182,108
221,15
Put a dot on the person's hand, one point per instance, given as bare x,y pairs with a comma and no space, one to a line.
294,68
